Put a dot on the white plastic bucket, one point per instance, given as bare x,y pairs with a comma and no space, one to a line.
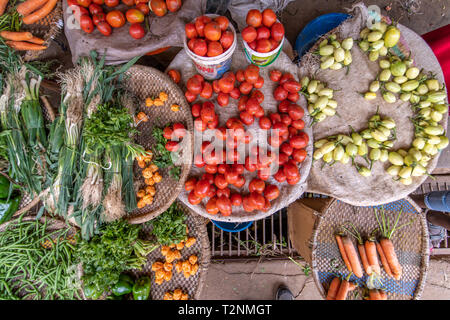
262,59
212,68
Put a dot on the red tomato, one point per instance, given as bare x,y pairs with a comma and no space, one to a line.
254,18
250,164
298,142
242,102
212,31
275,117
275,75
200,125
143,7
221,133
223,99
264,174
137,31
158,7
172,146
239,168
190,30
292,86
271,192
277,31
220,181
190,97
262,33
207,91
295,112
281,127
253,45
259,83
232,156
189,185
286,77
246,118
215,86
240,182
84,3
95,8
174,75
207,112
274,44
194,85
208,177
134,16
86,24
251,74
256,185
111,3
298,124
252,106
286,119
200,47
249,34
104,28
224,205
223,192
258,200
240,75
290,170
223,22
263,45
235,93
280,176
128,2
191,44
293,96
283,106
198,161
173,5
168,133
226,83
280,93
99,2
247,205
115,18
222,168
196,110
259,112
201,188
226,40
179,131
265,123
286,148
236,199
293,180
299,155
211,206
200,23
245,87
282,158
268,17
212,191
193,199
292,131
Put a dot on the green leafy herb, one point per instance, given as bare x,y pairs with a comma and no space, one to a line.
170,227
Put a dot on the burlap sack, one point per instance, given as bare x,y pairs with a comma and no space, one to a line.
121,47
343,181
288,193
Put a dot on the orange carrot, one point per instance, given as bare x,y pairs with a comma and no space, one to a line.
36,40
352,256
343,289
352,286
371,252
40,13
342,251
374,294
364,261
16,36
29,6
384,260
20,45
391,257
333,289
3,4
383,295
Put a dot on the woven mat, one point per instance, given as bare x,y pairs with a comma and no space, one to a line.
194,284
288,193
411,244
341,181
145,82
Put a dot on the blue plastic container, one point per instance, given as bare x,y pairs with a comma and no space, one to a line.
438,200
232,226
317,28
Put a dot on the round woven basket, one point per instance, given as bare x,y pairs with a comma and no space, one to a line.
144,82
46,28
411,245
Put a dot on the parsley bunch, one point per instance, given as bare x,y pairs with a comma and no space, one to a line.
170,226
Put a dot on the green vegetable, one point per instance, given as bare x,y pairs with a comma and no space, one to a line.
8,208
163,157
170,226
91,292
4,187
141,289
122,287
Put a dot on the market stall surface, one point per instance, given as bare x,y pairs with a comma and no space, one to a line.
248,280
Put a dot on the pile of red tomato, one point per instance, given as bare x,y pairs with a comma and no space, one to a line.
263,33
90,14
174,134
288,136
209,36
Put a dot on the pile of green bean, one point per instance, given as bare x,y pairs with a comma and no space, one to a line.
36,262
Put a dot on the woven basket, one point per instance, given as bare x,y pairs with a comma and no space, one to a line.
411,243
145,82
47,29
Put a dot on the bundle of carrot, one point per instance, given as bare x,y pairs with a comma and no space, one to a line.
22,40
377,294
339,289
349,254
34,10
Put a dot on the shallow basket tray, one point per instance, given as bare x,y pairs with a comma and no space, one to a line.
410,242
144,82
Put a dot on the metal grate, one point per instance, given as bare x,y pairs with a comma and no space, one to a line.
269,237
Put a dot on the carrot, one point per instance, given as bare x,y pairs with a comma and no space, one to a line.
342,251
391,257
29,6
364,261
383,295
344,288
16,36
40,13
374,294
36,40
3,4
352,286
372,257
20,45
333,289
352,256
384,260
